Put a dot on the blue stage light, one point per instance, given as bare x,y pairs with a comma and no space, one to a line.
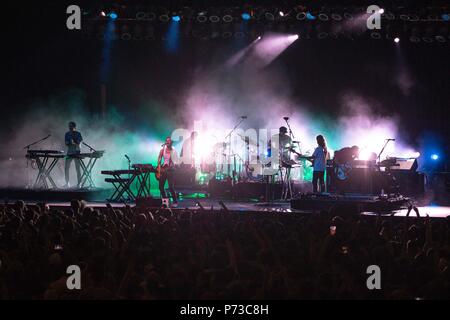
113,15
446,17
309,16
245,16
176,18
434,157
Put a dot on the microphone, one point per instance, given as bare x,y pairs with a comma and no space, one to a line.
163,144
128,158
286,118
390,139
47,137
243,117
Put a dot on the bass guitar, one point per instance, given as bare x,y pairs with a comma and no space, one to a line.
160,170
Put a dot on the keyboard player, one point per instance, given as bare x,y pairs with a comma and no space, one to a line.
73,140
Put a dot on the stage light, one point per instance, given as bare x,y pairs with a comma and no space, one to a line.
309,16
348,16
214,18
245,16
434,157
103,14
375,35
396,39
176,18
113,15
202,17
323,17
446,17
293,37
301,16
227,18
336,17
259,38
281,14
414,17
381,11
269,16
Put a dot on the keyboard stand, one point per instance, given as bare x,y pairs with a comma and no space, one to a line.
45,170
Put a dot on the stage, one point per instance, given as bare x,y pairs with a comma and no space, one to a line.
198,200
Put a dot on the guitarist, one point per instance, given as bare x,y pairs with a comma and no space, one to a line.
319,158
165,169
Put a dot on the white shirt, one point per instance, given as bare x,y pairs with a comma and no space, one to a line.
320,159
170,157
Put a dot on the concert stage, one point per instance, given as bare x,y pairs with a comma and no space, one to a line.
199,201
356,203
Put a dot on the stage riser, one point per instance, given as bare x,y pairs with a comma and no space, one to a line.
348,204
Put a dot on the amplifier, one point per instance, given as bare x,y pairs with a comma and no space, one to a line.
358,180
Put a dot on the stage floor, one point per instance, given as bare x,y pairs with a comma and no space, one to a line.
246,207
189,199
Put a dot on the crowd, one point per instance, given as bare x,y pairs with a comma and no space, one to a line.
134,253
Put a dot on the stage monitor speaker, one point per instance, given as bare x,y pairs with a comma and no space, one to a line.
405,165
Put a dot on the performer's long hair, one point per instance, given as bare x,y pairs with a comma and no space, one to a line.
321,142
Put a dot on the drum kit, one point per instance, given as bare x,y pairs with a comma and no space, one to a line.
245,164
247,161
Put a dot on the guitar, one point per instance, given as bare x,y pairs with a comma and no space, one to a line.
160,169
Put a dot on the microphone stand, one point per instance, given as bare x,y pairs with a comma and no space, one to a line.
229,147
288,170
28,148
90,148
36,142
291,134
384,147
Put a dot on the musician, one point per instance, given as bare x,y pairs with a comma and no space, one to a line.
319,157
346,155
167,160
73,140
282,144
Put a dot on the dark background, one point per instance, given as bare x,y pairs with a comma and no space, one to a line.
42,58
